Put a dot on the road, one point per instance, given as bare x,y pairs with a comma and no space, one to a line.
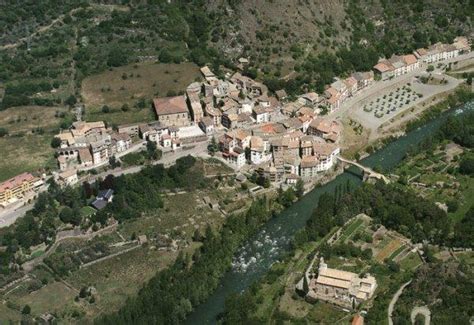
10,217
391,306
421,310
168,159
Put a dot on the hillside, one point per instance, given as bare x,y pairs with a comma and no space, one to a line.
82,38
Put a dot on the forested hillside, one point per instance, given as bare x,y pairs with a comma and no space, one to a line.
298,45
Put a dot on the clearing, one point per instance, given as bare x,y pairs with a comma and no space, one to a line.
132,84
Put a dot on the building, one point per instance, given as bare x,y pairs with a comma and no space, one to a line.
207,125
100,152
342,288
281,94
16,188
236,157
327,129
438,52
261,114
67,178
194,102
258,150
384,69
333,98
120,142
171,111
103,198
130,129
364,79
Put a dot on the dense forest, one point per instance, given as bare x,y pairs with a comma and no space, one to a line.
445,287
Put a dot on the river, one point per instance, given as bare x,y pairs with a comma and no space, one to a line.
257,255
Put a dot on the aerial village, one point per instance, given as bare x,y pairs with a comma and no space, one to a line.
256,132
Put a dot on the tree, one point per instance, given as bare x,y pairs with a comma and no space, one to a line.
26,310
3,132
299,188
466,166
117,57
105,109
55,142
71,100
152,150
66,215
212,147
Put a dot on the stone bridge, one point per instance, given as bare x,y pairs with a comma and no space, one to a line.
368,173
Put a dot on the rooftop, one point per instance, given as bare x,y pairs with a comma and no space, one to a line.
170,105
16,181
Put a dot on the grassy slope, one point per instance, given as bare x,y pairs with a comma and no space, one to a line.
143,81
24,150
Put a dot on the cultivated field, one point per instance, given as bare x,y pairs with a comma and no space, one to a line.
387,249
131,84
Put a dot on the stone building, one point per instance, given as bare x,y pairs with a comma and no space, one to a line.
171,111
345,289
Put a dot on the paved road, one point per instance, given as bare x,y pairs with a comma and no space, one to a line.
424,310
168,159
391,306
10,217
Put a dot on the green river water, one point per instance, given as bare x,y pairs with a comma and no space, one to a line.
257,255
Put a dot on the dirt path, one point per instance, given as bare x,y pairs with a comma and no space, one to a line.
421,310
391,306
38,31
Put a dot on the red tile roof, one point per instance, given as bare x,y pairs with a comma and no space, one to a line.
170,105
16,181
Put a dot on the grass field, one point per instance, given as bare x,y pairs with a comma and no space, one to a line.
28,118
130,84
87,211
181,213
25,149
410,262
27,153
122,276
54,297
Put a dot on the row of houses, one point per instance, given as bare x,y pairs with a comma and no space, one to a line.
401,64
284,150
87,144
235,102
18,188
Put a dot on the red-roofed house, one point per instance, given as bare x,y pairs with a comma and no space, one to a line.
171,111
16,187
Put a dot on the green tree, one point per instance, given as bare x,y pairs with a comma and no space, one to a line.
26,310
55,142
152,150
299,188
212,147
71,100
